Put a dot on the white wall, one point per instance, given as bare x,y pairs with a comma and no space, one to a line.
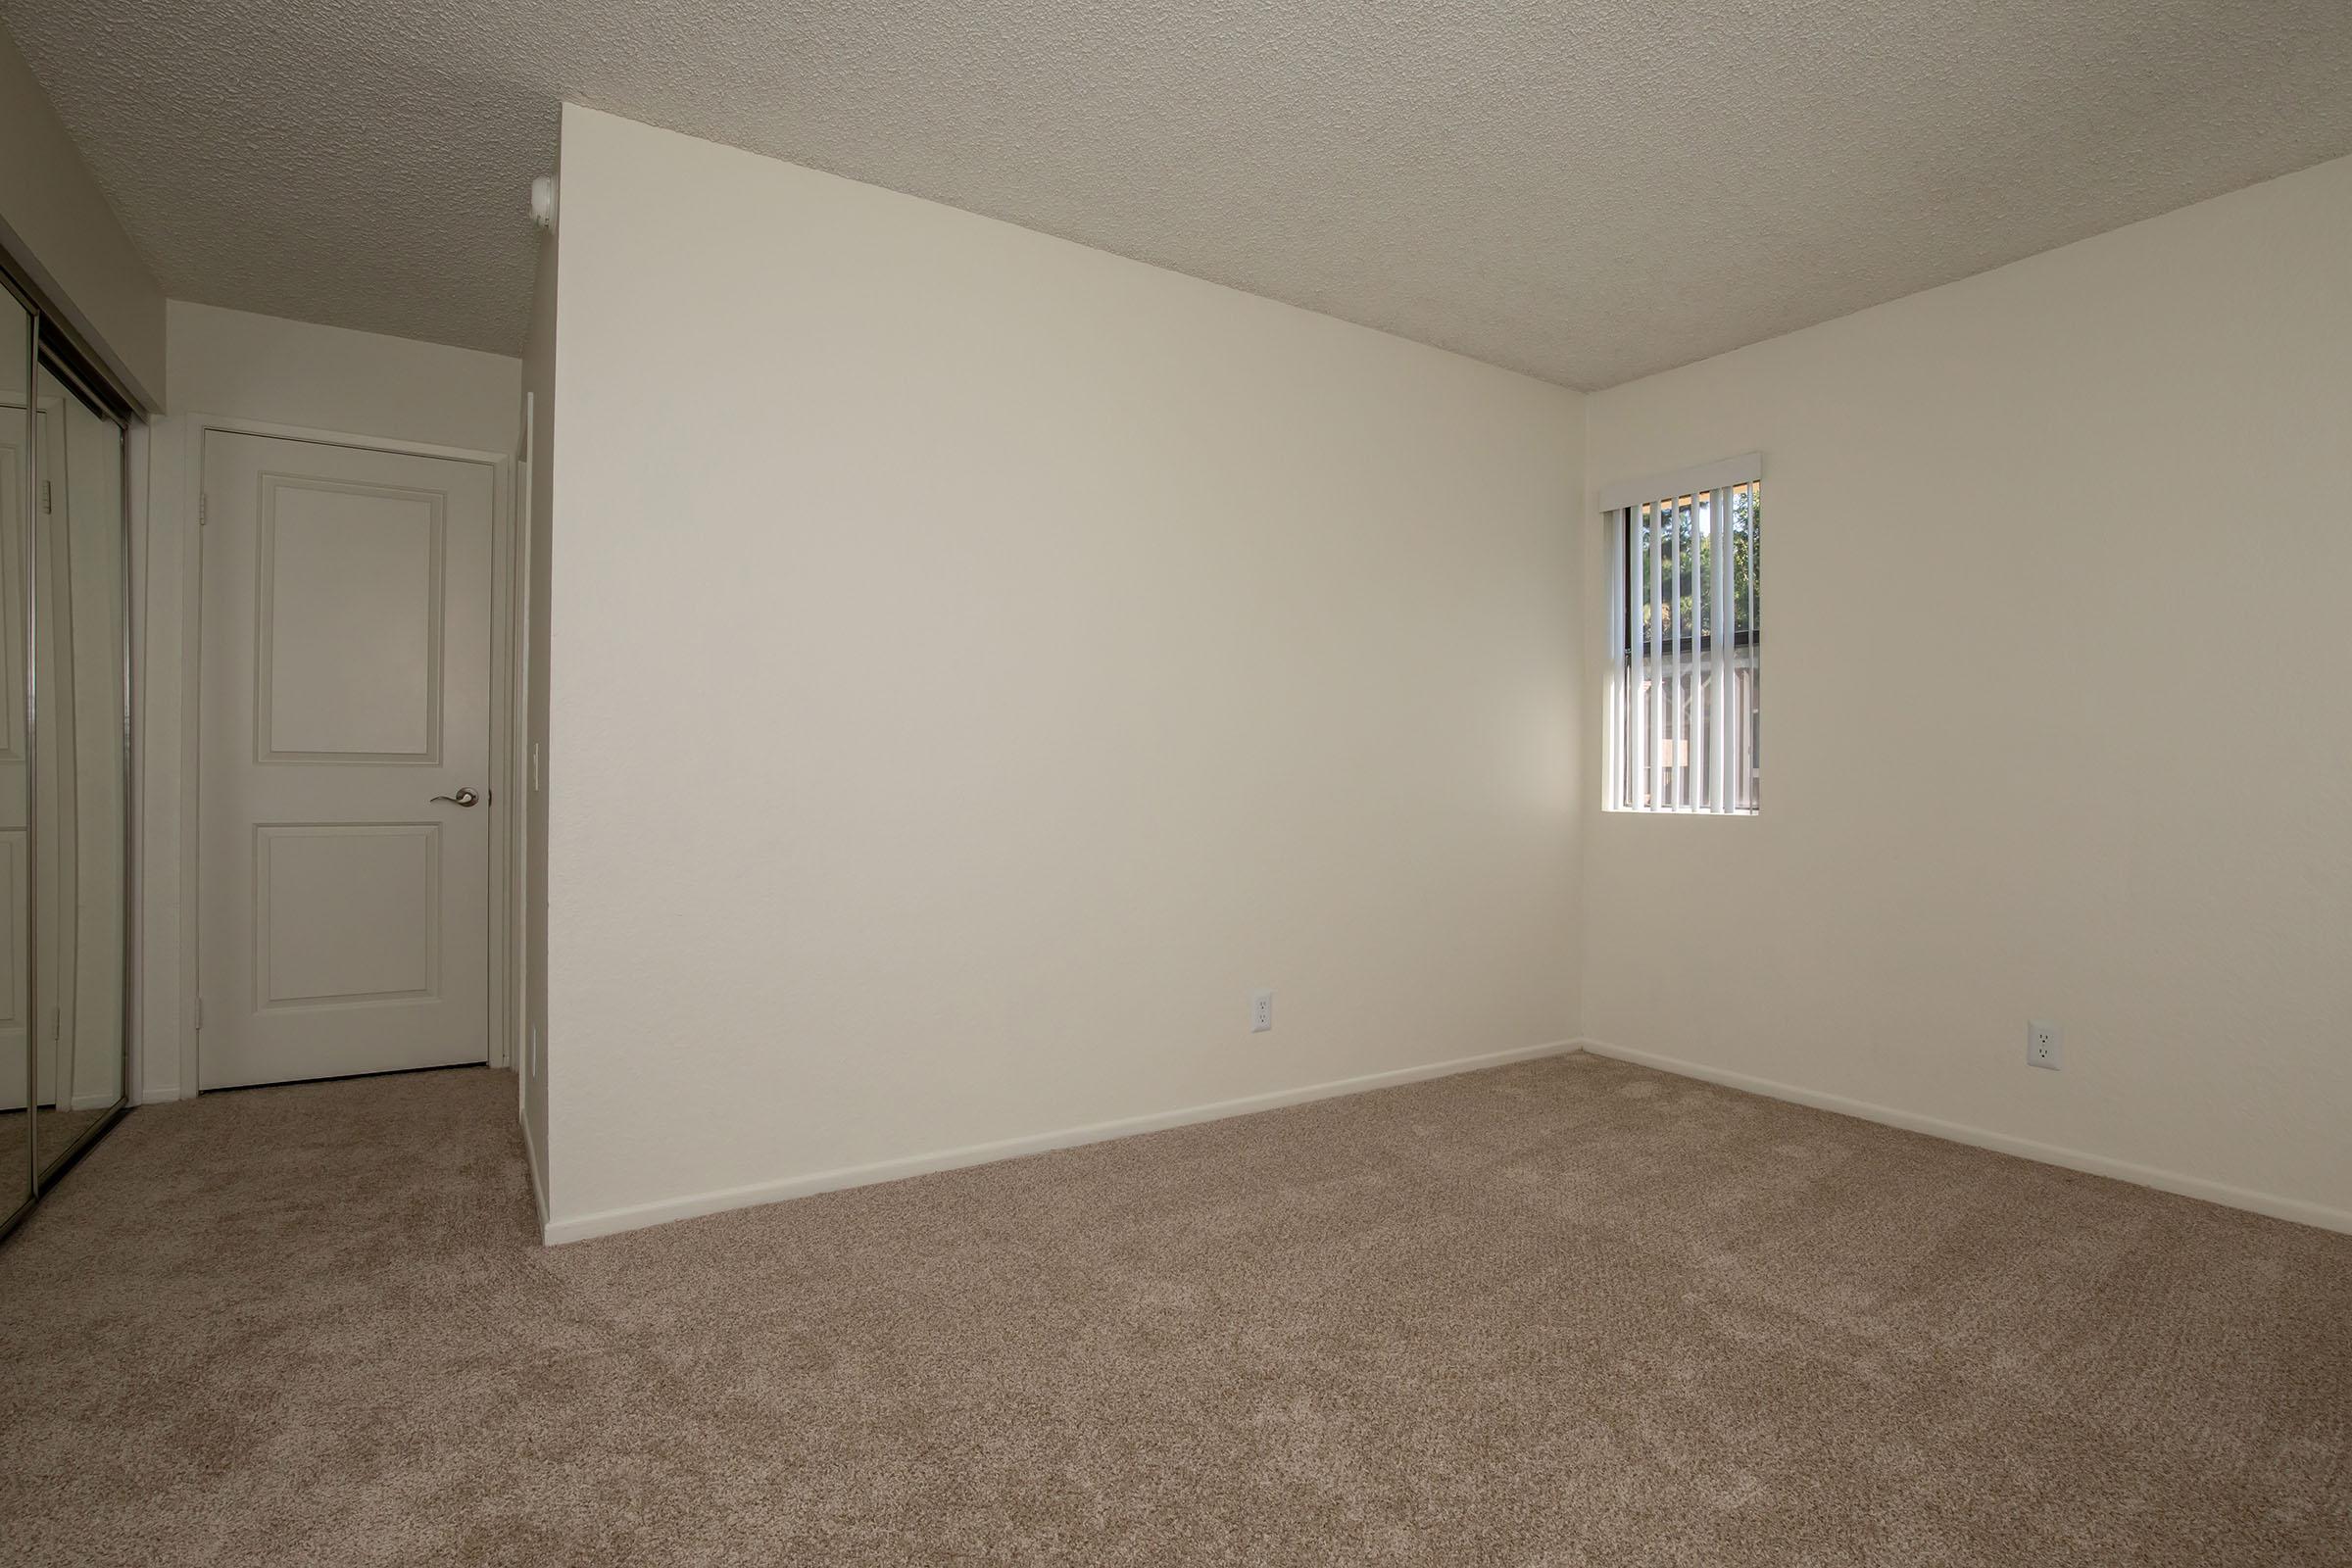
538,500
229,364
246,367
56,223
2055,719
978,661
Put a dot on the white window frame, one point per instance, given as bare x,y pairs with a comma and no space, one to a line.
1638,741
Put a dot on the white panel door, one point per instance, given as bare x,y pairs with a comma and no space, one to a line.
344,889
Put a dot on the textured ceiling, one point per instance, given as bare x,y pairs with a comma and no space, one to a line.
1587,191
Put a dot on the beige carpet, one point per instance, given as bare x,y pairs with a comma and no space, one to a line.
1565,1313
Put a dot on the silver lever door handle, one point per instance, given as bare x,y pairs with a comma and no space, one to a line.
463,797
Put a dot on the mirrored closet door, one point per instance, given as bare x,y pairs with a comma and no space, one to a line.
16,936
64,759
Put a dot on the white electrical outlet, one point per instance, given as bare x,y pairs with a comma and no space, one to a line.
2044,1048
1261,1012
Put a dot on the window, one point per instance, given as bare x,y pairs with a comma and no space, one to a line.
1685,688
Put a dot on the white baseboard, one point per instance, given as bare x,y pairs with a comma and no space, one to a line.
2292,1209
530,1160
98,1101
580,1228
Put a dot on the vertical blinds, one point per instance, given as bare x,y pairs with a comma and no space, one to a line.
1686,613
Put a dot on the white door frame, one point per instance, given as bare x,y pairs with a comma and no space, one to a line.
505,845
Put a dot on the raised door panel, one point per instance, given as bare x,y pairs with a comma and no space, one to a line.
349,618
347,914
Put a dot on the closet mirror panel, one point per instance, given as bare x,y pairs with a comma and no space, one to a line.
80,752
16,1135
